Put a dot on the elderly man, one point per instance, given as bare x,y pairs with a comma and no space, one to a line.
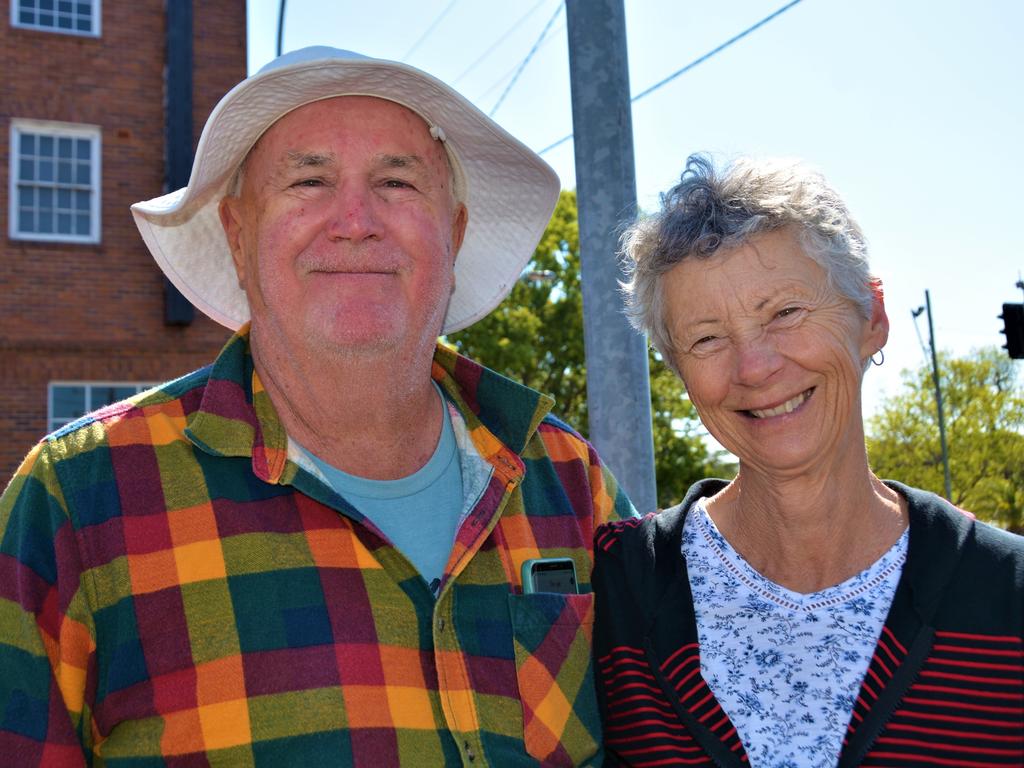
341,543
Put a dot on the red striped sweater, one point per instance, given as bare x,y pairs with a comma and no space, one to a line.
945,686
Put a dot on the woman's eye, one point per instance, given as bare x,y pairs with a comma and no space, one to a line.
397,184
789,313
309,182
704,342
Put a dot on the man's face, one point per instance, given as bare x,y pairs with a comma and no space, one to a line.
345,232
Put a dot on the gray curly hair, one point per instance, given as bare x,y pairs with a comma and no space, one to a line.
708,210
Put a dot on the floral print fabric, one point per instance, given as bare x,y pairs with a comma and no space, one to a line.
786,667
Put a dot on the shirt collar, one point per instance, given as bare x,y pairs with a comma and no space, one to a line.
236,417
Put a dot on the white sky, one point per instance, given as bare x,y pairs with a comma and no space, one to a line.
913,110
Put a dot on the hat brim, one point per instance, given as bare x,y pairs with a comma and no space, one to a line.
510,191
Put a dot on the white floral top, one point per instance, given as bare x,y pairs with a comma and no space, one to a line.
786,667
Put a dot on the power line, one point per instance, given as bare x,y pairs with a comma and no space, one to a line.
429,29
499,41
505,77
692,64
529,56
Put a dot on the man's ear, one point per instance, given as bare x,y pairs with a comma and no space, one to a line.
230,211
459,222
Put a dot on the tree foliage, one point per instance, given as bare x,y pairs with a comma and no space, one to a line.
983,404
536,336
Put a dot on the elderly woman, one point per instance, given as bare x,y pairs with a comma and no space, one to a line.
806,613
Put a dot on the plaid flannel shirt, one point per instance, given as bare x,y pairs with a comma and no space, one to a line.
176,590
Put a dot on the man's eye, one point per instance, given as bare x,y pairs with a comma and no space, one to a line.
397,184
317,182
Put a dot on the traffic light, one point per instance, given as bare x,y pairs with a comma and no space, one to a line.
1013,327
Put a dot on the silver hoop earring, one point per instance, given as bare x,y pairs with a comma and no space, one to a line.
881,357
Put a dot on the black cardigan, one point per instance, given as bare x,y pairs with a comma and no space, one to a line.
945,686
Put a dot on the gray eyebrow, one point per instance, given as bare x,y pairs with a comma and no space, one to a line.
401,161
309,159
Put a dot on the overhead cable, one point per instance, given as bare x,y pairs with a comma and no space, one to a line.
507,76
692,64
498,42
429,29
526,61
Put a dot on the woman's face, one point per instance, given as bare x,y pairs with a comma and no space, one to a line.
770,354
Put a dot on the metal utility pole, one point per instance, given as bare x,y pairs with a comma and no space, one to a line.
618,384
938,390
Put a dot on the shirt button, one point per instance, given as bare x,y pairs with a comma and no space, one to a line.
469,752
440,625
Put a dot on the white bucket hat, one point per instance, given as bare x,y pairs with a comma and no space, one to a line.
509,191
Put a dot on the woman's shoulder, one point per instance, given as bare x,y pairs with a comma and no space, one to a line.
953,554
935,517
647,536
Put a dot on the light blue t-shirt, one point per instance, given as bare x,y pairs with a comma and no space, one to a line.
419,513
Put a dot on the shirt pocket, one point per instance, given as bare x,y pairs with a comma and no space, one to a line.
552,635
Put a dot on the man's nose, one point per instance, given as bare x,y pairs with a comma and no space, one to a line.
353,214
757,359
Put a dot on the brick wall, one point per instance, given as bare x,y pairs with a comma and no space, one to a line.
95,312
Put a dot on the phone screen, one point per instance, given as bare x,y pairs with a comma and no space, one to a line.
552,576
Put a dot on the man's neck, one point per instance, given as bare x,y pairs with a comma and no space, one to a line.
376,416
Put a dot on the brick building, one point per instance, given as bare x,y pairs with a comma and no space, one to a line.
102,103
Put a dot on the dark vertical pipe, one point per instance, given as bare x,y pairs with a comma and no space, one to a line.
178,131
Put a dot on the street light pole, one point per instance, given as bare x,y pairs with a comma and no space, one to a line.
618,387
938,391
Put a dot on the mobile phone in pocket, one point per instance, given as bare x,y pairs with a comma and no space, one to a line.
550,574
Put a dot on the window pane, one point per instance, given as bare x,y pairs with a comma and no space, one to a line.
102,396
68,402
28,4
85,9
64,22
46,5
84,25
26,17
64,6
46,19
55,183
26,220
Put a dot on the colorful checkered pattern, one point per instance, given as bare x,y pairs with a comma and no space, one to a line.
175,591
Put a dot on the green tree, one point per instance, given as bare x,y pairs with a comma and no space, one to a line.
983,403
536,336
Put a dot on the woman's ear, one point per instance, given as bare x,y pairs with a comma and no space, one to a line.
877,332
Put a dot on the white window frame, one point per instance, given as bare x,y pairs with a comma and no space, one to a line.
54,423
56,130
97,17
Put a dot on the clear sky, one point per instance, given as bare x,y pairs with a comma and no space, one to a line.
914,111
